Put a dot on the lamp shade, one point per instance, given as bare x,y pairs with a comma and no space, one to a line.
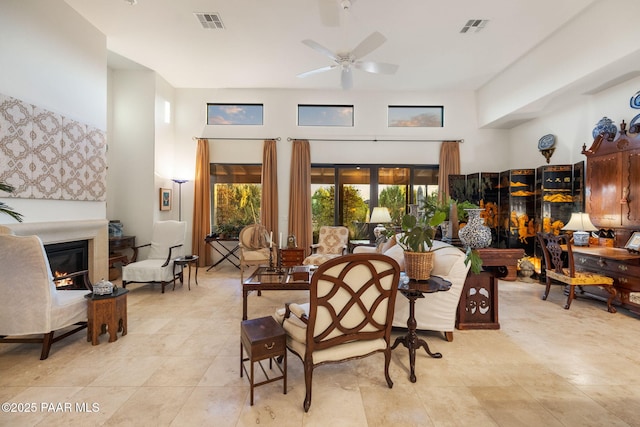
380,215
579,221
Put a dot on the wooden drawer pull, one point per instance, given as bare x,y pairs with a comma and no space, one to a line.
269,346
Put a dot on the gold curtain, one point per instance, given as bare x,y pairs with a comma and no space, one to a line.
201,204
269,201
300,194
449,165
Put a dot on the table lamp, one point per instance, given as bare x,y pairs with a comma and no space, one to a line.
380,215
581,225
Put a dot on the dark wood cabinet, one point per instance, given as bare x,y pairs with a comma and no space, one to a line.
291,257
612,194
612,199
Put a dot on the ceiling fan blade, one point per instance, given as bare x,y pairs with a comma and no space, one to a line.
319,48
376,67
347,78
368,45
317,70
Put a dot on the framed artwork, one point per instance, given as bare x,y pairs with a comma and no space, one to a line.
633,245
165,199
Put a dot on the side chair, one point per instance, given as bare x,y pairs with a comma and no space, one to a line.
349,314
552,247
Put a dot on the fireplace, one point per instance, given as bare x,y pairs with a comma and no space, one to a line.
93,231
68,257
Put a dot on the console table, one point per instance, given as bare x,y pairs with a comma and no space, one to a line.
617,263
478,306
218,244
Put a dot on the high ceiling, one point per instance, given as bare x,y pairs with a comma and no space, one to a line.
261,43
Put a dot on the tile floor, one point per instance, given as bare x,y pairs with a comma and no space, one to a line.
179,366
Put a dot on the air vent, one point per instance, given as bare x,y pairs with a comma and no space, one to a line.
474,24
210,21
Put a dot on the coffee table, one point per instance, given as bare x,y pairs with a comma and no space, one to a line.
287,279
413,289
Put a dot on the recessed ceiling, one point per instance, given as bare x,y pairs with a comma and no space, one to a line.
261,43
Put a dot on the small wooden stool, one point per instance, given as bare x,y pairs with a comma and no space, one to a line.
107,312
263,338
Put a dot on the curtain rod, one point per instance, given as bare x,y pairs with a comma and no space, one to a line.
195,138
379,140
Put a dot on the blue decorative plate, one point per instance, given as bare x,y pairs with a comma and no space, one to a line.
546,142
635,100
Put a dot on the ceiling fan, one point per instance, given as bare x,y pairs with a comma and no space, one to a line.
347,61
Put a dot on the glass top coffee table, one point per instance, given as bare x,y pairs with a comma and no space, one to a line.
285,279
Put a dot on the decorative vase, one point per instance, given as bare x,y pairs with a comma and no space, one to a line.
444,229
418,265
475,234
605,125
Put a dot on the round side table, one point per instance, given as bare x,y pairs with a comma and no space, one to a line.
182,261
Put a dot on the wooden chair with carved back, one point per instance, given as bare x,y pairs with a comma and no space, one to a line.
555,270
349,314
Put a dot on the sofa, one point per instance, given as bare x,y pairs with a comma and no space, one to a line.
437,311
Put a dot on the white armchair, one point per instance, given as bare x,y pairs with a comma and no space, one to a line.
167,244
437,311
30,304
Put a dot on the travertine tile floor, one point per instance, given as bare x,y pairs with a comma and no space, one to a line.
179,366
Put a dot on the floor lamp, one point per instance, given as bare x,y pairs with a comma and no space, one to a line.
180,182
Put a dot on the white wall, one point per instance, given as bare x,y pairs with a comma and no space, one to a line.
572,126
133,196
482,150
57,62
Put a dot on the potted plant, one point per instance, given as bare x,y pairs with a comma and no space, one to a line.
7,209
417,241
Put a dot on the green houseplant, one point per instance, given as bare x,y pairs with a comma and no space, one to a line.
4,208
417,242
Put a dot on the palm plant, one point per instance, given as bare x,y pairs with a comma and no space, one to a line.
4,208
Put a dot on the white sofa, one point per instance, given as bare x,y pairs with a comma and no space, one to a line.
437,311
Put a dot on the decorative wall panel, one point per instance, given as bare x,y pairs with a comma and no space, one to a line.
45,155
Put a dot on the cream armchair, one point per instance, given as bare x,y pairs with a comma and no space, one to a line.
437,311
167,244
30,304
332,242
254,247
349,314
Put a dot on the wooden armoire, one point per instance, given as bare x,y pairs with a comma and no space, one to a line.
612,199
612,196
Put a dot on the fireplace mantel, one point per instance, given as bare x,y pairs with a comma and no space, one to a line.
95,231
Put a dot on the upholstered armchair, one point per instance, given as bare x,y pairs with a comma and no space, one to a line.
30,304
254,246
349,314
333,242
437,311
167,244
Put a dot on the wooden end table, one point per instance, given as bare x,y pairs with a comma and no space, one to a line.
188,261
107,313
261,339
413,289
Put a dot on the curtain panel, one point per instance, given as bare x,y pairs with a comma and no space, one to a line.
449,165
269,200
202,204
300,195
